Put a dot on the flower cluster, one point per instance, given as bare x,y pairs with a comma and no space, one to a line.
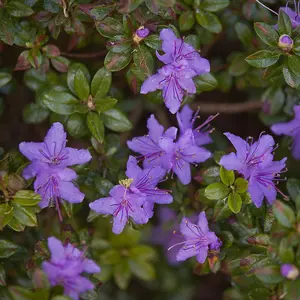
254,160
160,147
175,78
49,164
65,267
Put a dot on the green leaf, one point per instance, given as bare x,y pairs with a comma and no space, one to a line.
5,78
214,5
144,61
20,293
286,252
117,61
153,41
269,274
33,113
142,269
61,102
238,66
103,104
72,72
284,23
216,191
142,252
27,198
95,126
296,46
61,64
284,214
109,27
35,58
122,274
193,40
266,33
116,120
243,33
241,185
6,214
100,12
25,215
205,82
293,187
2,276
76,125
186,20
7,248
227,176
81,85
292,289
294,64
209,21
101,83
221,211
129,6
119,44
263,59
235,202
19,9
16,225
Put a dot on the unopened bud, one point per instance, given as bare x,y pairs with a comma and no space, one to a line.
289,271
285,42
140,34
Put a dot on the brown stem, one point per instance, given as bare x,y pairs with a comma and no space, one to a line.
84,55
228,108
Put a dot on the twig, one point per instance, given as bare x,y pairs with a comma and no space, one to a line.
228,108
84,55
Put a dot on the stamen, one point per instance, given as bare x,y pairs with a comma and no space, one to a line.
266,7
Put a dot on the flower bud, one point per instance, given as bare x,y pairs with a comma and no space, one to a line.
140,34
285,42
289,271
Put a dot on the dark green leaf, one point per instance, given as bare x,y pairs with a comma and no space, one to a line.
235,202
100,12
144,61
122,274
129,5
209,21
6,214
81,85
213,5
284,23
227,176
116,120
238,66
25,215
142,252
193,40
263,59
7,248
294,64
61,64
269,274
71,74
286,252
101,83
292,289
2,276
186,20
243,33
61,102
109,27
153,41
117,61
95,126
266,33
5,78
33,113
293,187
103,104
142,269
221,211
76,125
205,82
284,214
27,198
217,191
19,9
241,185
296,46
119,44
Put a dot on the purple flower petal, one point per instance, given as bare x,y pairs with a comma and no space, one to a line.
32,150
55,139
69,192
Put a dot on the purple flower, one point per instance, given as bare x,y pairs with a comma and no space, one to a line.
248,154
292,129
65,268
289,271
148,145
261,182
198,240
52,151
293,14
55,184
122,205
183,153
186,120
145,182
175,79
142,32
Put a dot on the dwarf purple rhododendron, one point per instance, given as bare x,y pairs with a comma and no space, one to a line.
147,109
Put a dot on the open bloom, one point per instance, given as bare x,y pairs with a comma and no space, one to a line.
145,182
52,152
294,15
248,154
186,120
292,129
148,146
183,153
122,205
175,79
262,182
198,240
65,268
